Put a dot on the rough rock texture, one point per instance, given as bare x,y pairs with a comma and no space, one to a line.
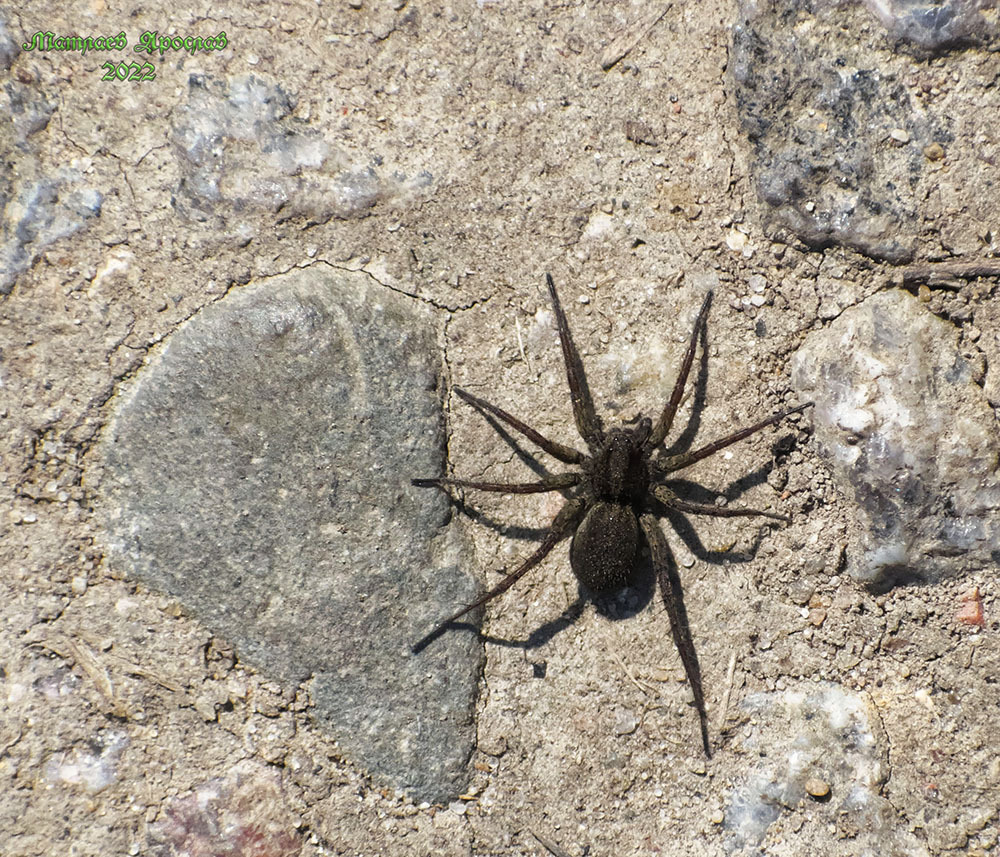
242,152
910,437
821,745
846,144
932,25
258,469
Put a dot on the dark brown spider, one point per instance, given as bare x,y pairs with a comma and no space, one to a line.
616,498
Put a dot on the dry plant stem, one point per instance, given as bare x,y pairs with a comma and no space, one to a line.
941,270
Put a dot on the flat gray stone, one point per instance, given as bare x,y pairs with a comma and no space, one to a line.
259,470
909,436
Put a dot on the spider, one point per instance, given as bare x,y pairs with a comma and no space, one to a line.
614,496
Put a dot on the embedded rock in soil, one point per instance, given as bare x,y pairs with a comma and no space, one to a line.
259,470
240,150
838,140
909,436
933,25
817,746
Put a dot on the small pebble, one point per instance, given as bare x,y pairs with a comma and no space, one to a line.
801,591
900,135
626,722
934,152
817,788
736,240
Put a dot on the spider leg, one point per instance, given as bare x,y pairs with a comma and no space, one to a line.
666,419
555,482
587,421
676,462
672,501
673,599
561,526
564,453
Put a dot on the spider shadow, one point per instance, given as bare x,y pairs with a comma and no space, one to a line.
618,605
530,460
683,441
629,601
681,524
697,493
632,599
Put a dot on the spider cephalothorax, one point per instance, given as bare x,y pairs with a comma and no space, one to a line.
615,497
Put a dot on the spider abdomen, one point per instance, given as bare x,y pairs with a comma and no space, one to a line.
602,553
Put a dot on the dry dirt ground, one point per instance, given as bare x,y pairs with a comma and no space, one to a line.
498,149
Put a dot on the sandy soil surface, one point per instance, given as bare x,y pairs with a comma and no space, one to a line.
457,152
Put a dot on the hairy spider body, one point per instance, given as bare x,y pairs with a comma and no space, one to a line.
606,543
615,498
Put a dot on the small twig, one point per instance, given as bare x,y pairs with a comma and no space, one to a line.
621,46
629,675
943,270
550,846
68,649
724,706
136,670
129,667
520,344
5,747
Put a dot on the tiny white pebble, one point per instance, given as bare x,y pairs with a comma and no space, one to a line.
736,240
79,584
